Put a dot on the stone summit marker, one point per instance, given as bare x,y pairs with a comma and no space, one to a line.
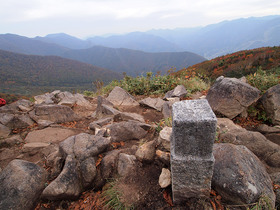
192,160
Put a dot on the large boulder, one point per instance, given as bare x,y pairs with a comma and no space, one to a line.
231,97
88,171
239,176
19,106
21,184
47,98
128,130
53,113
271,103
119,97
14,121
179,91
154,103
67,185
83,146
264,149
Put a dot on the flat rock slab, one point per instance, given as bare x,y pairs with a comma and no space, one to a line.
119,97
154,103
50,135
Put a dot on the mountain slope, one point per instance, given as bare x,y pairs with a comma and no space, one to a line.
237,64
133,62
26,74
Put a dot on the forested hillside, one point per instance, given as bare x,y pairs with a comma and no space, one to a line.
133,62
27,74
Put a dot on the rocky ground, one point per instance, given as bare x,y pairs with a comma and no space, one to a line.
78,149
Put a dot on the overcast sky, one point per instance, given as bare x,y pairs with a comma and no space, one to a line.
83,18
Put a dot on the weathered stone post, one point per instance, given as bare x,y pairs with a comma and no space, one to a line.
192,160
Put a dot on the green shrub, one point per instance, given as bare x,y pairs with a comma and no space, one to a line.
263,80
155,84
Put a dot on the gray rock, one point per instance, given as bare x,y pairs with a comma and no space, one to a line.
163,157
119,97
67,185
97,125
271,103
83,146
55,162
109,164
231,97
126,164
167,108
49,135
18,107
88,172
53,113
46,98
164,178
146,152
275,178
125,116
179,91
104,108
271,133
14,121
69,99
34,148
103,121
164,138
239,172
264,149
44,123
21,184
11,141
154,103
4,131
192,161
128,130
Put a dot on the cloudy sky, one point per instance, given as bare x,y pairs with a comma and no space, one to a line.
83,18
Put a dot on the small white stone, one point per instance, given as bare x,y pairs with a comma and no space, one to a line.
165,178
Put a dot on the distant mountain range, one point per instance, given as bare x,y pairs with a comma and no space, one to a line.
209,41
30,74
120,60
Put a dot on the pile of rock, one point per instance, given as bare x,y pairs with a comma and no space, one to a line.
73,156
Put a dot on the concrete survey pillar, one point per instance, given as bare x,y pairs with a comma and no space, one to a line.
192,161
